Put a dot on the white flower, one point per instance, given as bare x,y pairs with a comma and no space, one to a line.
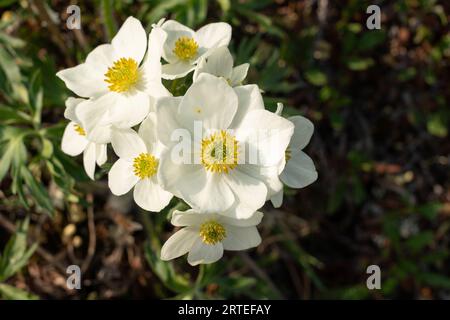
184,47
222,181
115,79
74,141
205,236
297,168
138,164
220,63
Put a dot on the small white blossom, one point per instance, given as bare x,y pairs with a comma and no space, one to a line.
220,64
205,236
138,164
297,169
75,142
184,47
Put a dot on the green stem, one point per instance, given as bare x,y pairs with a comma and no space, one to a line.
108,18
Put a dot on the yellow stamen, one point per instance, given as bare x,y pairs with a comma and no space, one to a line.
288,154
212,232
185,48
145,165
123,75
219,152
79,130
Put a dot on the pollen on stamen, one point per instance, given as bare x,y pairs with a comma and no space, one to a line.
123,75
185,48
288,154
145,165
79,130
212,232
219,152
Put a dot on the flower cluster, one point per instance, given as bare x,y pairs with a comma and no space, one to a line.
216,147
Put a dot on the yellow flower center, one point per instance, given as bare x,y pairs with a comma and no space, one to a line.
145,165
79,130
219,152
123,75
185,48
212,232
288,154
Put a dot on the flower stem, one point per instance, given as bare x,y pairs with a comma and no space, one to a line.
108,18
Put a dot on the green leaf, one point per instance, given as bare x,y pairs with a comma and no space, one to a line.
420,241
16,254
47,148
11,115
435,280
36,95
430,210
436,126
316,77
360,64
165,271
12,293
38,191
14,152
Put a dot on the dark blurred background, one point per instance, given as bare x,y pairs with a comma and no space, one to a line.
379,103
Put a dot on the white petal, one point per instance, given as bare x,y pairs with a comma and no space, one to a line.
179,243
241,238
123,111
156,40
150,196
214,35
204,253
174,31
127,144
214,197
88,79
189,217
89,160
210,100
99,134
151,68
130,41
238,74
101,153
128,110
249,99
167,110
277,199
299,171
121,177
200,189
250,193
71,104
302,132
251,221
83,80
72,142
280,108
101,58
147,132
219,63
273,134
93,113
152,61
175,70
269,175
